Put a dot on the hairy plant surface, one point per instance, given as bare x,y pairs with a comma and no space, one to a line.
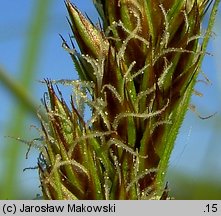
137,69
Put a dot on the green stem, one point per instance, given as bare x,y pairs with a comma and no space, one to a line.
182,107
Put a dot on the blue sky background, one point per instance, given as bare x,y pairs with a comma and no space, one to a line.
198,146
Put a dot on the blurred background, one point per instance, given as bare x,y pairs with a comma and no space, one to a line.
30,50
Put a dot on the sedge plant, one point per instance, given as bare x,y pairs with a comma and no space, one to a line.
137,68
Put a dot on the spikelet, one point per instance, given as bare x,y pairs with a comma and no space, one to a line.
137,73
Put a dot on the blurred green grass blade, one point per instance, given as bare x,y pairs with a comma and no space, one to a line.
19,93
12,153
